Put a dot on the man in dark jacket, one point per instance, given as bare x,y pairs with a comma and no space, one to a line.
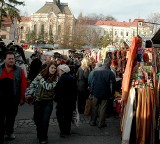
66,95
35,67
102,88
12,90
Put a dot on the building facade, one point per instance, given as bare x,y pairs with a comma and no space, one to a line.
55,22
122,30
48,23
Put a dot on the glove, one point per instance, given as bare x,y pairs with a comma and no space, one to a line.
39,77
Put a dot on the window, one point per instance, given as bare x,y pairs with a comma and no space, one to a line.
35,28
140,23
122,34
134,33
42,28
115,33
50,30
59,30
111,32
127,33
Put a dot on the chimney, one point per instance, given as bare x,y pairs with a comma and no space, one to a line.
129,20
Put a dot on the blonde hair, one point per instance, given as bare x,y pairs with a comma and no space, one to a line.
85,63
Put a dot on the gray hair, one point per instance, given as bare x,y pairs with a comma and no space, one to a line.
107,62
98,64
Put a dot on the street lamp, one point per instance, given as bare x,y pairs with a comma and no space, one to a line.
139,23
21,28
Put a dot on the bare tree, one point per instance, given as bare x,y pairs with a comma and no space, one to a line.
153,21
79,32
94,16
105,40
65,33
92,37
110,18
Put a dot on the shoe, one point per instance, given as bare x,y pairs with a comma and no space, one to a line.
10,137
62,135
102,126
92,124
43,142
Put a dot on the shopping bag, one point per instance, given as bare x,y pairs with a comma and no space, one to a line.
88,106
75,117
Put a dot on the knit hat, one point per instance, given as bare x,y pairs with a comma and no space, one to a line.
64,68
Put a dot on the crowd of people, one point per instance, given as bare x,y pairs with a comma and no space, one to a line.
67,82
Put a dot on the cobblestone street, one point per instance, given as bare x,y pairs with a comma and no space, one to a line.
25,130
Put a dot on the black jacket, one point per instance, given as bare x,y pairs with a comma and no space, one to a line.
66,91
35,68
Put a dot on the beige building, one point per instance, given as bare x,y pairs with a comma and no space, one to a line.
49,22
122,30
55,22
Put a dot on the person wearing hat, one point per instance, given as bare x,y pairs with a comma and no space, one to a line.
35,67
65,96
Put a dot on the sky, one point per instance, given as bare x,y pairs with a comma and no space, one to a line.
122,10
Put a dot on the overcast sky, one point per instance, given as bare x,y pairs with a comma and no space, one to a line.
122,10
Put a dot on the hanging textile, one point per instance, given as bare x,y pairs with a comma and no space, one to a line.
139,95
127,119
137,42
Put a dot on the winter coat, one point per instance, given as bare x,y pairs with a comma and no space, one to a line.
41,89
103,83
35,68
66,92
82,78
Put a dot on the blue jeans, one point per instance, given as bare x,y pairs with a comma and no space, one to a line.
42,113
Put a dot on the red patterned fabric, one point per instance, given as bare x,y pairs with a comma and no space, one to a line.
136,43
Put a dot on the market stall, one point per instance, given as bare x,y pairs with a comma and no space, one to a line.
156,44
139,95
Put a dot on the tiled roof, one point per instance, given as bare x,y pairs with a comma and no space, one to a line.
49,7
91,22
25,19
53,7
134,23
113,23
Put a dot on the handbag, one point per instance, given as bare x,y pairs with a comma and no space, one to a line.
75,117
88,106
